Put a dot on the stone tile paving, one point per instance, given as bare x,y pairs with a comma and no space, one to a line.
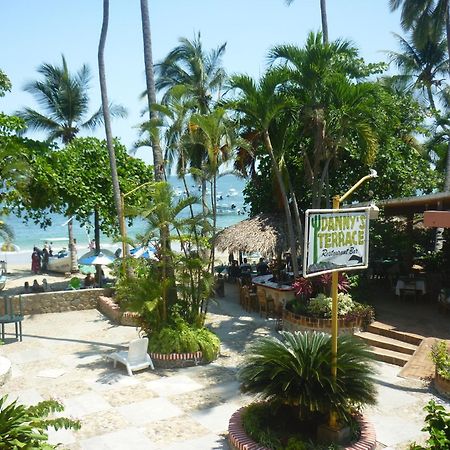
64,356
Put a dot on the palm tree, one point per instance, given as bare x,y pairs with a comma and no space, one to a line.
424,18
259,105
217,134
190,73
323,15
158,160
65,101
107,121
332,109
421,64
296,371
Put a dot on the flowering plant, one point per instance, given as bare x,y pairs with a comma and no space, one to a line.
320,306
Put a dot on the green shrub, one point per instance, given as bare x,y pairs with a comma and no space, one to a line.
438,427
320,306
183,338
24,427
277,428
441,358
296,371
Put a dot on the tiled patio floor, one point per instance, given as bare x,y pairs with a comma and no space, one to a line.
63,355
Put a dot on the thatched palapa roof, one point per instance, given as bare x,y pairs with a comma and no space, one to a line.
263,233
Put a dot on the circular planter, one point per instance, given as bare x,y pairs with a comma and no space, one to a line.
5,370
442,385
176,360
239,440
296,322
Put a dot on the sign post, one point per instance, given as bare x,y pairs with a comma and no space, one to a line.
339,241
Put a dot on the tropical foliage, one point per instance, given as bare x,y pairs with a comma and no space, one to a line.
295,370
25,427
172,308
437,426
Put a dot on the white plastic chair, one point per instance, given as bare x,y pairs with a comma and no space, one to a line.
136,358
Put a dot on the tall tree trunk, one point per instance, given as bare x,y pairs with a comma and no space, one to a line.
298,221
158,159
72,247
107,117
287,211
323,13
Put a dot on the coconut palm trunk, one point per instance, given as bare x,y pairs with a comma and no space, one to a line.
158,159
107,116
72,247
323,14
287,210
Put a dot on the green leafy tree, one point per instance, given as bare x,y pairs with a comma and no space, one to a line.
296,371
75,181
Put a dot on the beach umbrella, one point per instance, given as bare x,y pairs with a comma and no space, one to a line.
84,269
103,258
144,251
9,247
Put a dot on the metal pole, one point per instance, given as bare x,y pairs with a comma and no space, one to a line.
334,327
334,305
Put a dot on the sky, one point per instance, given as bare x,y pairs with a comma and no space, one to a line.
40,31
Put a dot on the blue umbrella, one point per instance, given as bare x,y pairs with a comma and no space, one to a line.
144,251
93,258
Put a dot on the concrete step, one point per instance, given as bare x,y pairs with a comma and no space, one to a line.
390,356
388,343
390,332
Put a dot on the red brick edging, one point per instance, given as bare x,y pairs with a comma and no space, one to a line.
173,360
239,440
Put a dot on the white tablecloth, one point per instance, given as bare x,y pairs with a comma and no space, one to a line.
411,284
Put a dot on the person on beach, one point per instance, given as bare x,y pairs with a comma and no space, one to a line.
35,261
45,257
36,287
89,281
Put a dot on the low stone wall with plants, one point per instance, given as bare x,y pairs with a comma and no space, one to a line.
58,301
296,322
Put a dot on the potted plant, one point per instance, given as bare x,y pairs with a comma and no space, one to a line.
441,359
291,377
311,309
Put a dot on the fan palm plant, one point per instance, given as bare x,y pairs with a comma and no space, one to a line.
296,371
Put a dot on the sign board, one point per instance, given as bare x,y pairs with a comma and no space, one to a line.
335,240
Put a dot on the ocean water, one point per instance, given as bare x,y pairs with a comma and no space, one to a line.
28,235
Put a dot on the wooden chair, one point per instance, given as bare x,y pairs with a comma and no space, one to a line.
249,298
265,304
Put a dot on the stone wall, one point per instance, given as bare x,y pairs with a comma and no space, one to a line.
58,301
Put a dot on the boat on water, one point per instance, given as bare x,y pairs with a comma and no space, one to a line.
59,261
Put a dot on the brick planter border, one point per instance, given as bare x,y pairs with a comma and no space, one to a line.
296,322
239,440
108,307
176,360
442,385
